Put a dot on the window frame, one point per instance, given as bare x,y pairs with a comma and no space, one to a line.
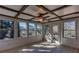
20,30
38,24
34,29
70,20
13,28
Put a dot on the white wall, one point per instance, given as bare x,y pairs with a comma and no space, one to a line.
67,41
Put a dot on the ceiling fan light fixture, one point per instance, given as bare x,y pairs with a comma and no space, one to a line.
40,19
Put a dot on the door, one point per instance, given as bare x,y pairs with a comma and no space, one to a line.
56,33
48,34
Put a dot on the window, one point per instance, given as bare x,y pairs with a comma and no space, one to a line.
23,29
39,29
0,24
46,29
32,29
6,29
70,29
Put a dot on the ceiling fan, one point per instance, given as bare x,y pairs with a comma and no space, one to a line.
41,18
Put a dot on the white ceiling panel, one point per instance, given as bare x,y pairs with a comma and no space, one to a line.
33,10
54,19
15,7
24,16
45,21
35,19
67,10
69,16
7,12
52,7
50,16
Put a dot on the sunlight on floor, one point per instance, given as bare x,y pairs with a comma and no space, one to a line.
26,50
49,46
46,45
38,45
58,43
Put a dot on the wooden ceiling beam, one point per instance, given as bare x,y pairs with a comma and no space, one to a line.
8,8
21,10
44,8
18,12
65,15
63,19
59,8
29,14
17,18
62,7
15,11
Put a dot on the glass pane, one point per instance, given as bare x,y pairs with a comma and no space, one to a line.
48,35
0,24
7,24
69,29
39,29
46,29
32,29
23,29
56,36
7,29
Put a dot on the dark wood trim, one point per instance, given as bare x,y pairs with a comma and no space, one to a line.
8,8
46,16
71,17
52,18
6,16
62,7
63,19
45,13
18,18
46,9
29,20
70,14
21,10
64,15
15,10
59,8
29,14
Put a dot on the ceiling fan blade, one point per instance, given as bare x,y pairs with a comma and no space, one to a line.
46,16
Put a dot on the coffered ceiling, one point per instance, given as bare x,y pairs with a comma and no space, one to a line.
40,13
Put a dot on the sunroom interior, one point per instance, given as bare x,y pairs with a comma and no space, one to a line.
39,28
